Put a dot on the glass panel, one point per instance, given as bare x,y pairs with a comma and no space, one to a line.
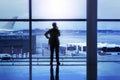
14,50
10,8
108,50
57,9
108,9
72,51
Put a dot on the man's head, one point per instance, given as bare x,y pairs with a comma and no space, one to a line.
54,25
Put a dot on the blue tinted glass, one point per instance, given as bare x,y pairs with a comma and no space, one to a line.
108,50
11,8
14,50
108,9
57,9
71,51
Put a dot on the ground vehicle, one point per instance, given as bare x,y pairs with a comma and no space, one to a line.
5,56
108,49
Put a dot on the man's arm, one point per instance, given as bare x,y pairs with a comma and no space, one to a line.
46,35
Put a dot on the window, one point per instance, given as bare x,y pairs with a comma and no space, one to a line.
12,8
59,9
19,58
70,19
108,39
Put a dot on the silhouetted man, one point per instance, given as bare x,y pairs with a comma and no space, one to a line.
52,35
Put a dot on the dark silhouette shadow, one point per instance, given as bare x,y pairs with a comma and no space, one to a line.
51,72
57,73
52,35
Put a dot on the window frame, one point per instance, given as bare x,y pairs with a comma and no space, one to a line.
91,35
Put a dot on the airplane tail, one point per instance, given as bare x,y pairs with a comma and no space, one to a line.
10,24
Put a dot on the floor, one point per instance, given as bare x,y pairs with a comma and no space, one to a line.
106,71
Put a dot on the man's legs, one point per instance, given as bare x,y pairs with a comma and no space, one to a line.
57,55
58,63
51,62
51,54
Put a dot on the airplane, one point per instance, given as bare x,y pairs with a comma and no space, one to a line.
8,27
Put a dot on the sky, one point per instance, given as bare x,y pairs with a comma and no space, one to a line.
57,9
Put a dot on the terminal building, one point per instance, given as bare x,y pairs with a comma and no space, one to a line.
16,44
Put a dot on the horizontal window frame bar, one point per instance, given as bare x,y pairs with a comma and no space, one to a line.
43,19
63,64
49,58
27,20
109,20
61,61
43,65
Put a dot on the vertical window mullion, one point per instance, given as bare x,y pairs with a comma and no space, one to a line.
91,39
30,39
